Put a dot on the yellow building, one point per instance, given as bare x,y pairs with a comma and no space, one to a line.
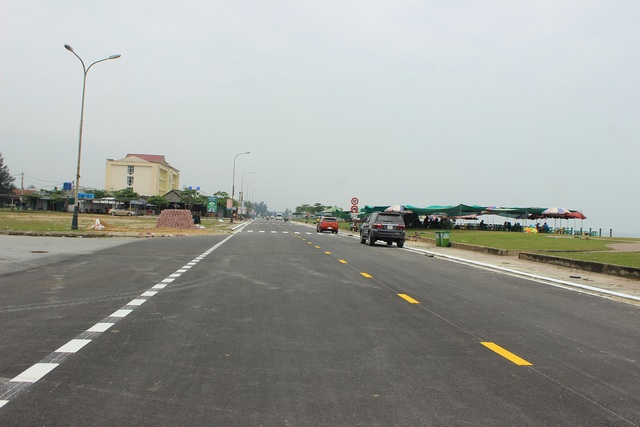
146,174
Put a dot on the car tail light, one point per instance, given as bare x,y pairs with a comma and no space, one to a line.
377,226
401,227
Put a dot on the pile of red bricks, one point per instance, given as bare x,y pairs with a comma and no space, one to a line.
175,218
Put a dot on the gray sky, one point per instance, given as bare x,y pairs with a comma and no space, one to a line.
508,103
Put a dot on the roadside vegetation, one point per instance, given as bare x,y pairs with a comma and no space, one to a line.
596,249
38,221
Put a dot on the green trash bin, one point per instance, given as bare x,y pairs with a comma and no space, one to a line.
442,238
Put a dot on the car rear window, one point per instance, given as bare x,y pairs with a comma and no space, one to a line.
330,219
390,218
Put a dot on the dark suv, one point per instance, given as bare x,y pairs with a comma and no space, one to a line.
387,226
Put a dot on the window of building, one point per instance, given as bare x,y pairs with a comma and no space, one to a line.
130,181
130,169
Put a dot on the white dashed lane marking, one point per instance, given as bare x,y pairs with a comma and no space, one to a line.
100,327
12,388
73,346
35,372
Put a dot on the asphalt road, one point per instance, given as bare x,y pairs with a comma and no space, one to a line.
277,325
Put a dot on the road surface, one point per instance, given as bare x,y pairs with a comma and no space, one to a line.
279,325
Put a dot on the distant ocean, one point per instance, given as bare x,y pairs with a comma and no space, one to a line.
625,234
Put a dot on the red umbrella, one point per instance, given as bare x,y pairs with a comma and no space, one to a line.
575,215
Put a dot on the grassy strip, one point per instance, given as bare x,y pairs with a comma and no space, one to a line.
525,241
626,259
557,245
61,221
593,249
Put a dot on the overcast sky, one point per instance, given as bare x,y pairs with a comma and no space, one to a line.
507,103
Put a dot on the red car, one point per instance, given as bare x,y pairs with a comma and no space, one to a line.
328,223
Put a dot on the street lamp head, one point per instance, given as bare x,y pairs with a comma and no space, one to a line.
115,56
69,48
248,152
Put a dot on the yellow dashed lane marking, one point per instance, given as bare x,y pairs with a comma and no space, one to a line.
506,354
408,299
328,253
368,276
342,261
317,247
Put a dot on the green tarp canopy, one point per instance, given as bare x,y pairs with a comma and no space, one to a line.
465,210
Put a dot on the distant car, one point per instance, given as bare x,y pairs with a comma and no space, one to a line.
279,217
120,212
328,223
387,226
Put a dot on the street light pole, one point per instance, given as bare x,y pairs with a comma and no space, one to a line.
241,198
74,221
233,182
249,192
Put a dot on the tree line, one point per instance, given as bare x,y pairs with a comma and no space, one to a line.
192,199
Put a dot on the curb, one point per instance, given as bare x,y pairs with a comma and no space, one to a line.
542,279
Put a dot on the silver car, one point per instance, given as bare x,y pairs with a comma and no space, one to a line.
120,212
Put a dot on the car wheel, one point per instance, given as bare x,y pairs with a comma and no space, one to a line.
372,241
400,243
362,239
390,242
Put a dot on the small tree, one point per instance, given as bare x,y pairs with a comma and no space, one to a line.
192,198
126,195
303,209
55,197
6,180
100,194
159,202
222,197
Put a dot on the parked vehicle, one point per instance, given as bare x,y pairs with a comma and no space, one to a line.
328,223
120,212
387,226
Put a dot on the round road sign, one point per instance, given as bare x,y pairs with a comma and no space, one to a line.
354,209
354,201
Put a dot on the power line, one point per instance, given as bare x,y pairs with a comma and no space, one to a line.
42,180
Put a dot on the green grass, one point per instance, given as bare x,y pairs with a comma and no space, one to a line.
591,249
61,221
36,221
526,242
594,249
627,259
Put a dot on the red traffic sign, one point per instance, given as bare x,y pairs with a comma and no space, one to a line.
354,209
354,201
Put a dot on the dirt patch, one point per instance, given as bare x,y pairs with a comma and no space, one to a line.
131,228
625,247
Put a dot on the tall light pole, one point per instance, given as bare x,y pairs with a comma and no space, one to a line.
85,69
241,198
249,191
233,182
